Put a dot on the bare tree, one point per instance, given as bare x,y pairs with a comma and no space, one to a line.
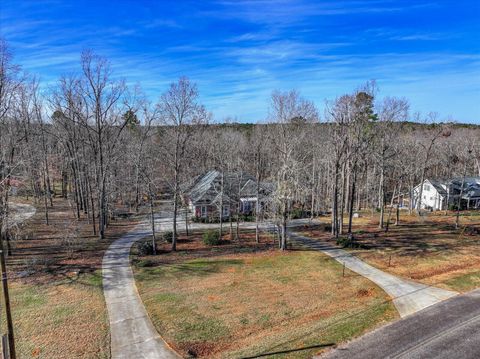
290,114
180,112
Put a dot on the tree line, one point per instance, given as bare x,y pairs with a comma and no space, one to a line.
103,145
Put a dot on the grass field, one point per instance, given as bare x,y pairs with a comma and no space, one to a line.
426,249
61,320
241,299
56,287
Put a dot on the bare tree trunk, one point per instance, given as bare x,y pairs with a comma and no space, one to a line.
152,219
390,210
312,203
397,218
175,210
257,207
352,197
381,199
45,196
459,203
335,228
221,205
342,202
186,221
283,245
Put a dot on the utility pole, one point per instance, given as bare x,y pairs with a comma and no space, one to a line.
11,339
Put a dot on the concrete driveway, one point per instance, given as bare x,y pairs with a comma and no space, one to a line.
409,297
132,332
443,331
20,213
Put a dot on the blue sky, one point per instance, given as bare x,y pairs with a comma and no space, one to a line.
238,51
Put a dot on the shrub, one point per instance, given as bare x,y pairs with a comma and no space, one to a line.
246,217
145,248
211,238
452,207
144,263
471,231
348,242
297,213
168,236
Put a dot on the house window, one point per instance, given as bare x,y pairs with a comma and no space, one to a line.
203,211
226,211
426,187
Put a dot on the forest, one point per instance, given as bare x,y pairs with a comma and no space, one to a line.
108,148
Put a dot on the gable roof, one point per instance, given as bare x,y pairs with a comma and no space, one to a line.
439,187
206,188
202,185
250,188
471,187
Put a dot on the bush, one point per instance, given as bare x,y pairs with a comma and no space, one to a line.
297,213
144,263
247,218
145,248
168,237
471,231
348,242
452,207
211,238
206,219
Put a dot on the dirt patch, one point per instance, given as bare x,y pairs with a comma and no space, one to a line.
363,293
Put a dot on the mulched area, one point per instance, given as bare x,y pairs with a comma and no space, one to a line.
64,248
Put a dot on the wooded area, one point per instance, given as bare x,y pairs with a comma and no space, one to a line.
106,148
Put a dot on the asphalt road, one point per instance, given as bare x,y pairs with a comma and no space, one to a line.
448,330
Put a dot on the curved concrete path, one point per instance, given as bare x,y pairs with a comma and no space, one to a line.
21,212
132,332
409,297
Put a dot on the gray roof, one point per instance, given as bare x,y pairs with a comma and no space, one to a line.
471,187
206,188
250,188
439,187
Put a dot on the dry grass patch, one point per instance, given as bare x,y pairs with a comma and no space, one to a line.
65,320
427,249
56,286
236,304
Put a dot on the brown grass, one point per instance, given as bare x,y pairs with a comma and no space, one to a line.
427,249
240,299
56,286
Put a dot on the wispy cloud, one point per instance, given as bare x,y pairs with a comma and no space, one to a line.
239,51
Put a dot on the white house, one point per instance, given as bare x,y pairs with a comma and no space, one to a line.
438,195
435,195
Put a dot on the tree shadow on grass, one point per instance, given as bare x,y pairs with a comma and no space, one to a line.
317,346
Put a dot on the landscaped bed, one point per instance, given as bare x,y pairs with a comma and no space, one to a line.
426,249
56,287
241,299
